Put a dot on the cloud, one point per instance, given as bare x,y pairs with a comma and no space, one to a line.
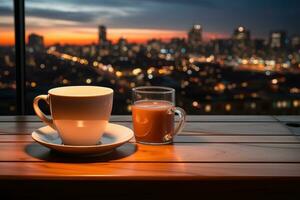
82,13
61,15
201,3
215,15
6,11
95,10
126,3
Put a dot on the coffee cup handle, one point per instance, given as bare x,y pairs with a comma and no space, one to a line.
182,118
40,113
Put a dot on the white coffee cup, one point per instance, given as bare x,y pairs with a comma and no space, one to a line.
79,113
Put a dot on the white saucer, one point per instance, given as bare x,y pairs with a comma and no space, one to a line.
114,136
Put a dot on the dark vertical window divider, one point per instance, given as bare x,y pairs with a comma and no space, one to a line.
19,20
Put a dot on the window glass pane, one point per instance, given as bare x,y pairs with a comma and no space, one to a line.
219,56
7,62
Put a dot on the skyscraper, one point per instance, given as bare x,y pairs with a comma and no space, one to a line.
295,42
277,39
123,48
222,46
241,41
102,35
195,36
259,44
241,34
36,42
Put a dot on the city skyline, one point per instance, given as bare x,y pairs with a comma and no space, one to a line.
160,35
124,19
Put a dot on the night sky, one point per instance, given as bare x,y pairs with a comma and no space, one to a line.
136,17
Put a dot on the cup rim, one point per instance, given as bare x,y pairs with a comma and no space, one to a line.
107,91
140,89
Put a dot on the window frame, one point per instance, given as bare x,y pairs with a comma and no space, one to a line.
19,24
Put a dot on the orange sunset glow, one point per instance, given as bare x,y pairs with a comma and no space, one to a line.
83,36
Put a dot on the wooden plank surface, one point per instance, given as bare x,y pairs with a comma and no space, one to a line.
147,171
288,118
203,118
210,147
191,118
242,128
179,152
191,128
182,138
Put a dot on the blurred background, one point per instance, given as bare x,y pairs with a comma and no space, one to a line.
222,57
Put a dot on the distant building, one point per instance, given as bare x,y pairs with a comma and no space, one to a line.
241,34
177,41
122,46
241,41
155,44
177,45
102,35
295,42
277,39
36,42
259,44
103,43
88,50
195,36
222,46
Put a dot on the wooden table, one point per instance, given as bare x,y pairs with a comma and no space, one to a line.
240,156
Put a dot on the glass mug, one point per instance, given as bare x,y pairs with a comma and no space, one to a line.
153,113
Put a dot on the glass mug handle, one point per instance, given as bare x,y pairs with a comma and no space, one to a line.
40,113
182,118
